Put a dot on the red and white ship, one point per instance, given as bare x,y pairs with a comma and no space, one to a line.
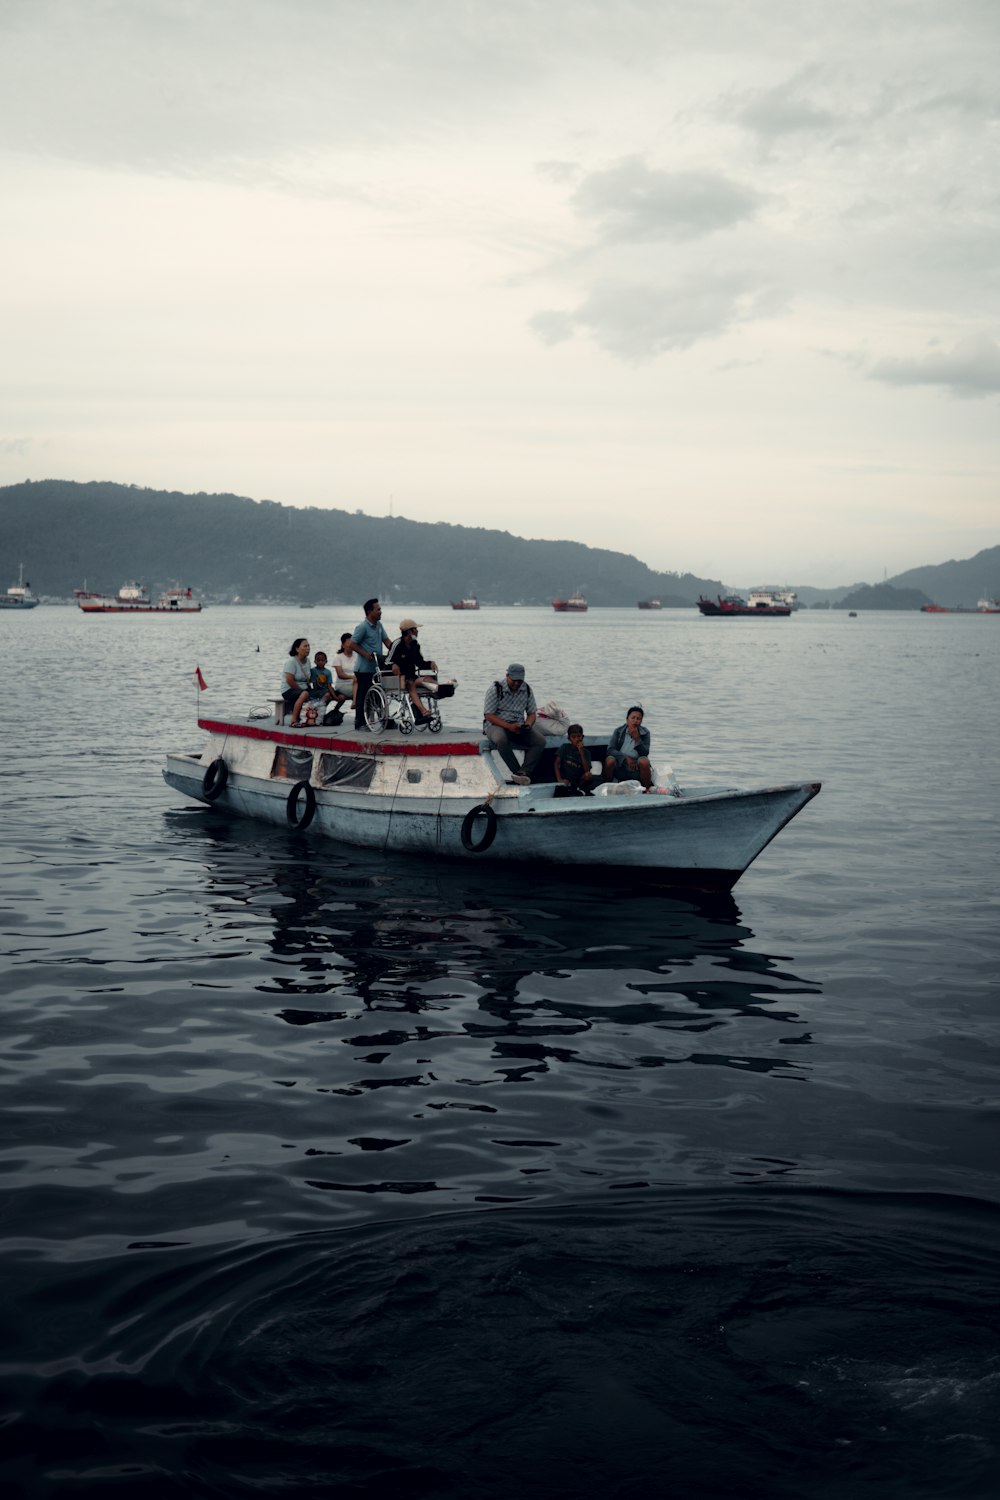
986,606
761,604
470,603
576,604
132,599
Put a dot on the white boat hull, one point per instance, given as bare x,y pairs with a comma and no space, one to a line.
705,838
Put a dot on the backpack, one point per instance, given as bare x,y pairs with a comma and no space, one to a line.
502,688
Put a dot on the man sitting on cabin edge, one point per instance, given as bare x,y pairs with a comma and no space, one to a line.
368,639
509,710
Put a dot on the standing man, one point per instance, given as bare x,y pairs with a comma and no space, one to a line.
368,640
509,710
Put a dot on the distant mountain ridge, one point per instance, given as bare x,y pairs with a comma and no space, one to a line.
228,545
66,532
952,583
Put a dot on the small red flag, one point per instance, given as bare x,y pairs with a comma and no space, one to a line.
199,679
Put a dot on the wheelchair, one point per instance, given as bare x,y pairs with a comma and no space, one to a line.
389,702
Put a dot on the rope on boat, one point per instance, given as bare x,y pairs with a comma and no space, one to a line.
388,821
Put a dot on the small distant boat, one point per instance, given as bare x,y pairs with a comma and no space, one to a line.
852,614
469,603
576,604
19,595
132,599
650,604
762,603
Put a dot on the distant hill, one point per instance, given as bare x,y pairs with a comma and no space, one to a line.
227,545
882,596
953,582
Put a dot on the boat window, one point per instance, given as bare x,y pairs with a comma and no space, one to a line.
414,775
346,770
292,763
449,774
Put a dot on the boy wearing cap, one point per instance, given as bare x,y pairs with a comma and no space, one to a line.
509,710
406,659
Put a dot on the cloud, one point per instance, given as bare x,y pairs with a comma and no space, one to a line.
969,371
638,321
558,171
779,111
631,201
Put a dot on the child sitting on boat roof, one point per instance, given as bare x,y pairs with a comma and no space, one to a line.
324,691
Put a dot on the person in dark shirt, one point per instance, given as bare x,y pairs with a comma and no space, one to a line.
408,662
573,770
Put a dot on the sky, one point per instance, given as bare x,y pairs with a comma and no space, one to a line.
714,283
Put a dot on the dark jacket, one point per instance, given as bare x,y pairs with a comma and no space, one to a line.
407,657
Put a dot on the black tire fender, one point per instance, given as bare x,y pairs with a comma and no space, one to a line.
484,810
303,819
213,783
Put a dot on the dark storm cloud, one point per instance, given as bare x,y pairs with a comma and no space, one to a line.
632,201
969,371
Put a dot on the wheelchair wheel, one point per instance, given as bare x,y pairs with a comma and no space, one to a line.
376,710
404,724
434,727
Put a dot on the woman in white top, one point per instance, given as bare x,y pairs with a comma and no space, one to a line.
295,679
344,665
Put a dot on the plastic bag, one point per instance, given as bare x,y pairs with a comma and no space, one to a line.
618,789
664,780
552,719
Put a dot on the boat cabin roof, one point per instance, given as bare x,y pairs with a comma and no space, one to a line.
350,741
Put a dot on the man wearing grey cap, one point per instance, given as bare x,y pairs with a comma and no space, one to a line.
509,718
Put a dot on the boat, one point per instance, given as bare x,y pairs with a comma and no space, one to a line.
449,795
576,604
19,595
761,603
470,603
133,599
650,604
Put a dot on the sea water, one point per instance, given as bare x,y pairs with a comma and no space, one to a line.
331,1172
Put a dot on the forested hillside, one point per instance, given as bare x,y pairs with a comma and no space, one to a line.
956,582
226,545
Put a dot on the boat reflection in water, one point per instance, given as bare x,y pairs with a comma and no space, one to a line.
480,949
